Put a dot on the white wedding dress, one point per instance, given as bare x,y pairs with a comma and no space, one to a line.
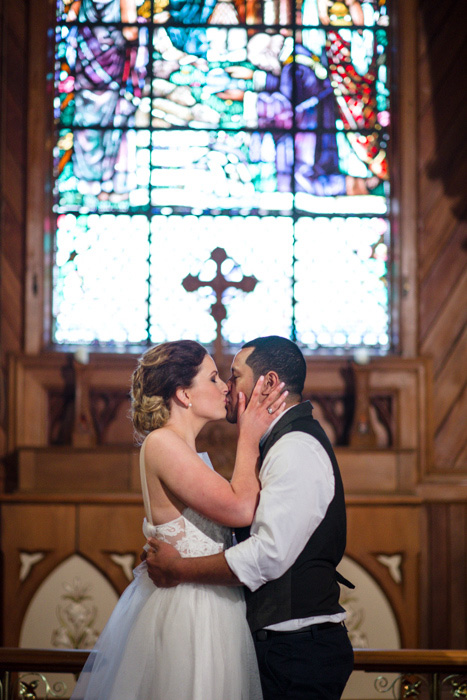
190,642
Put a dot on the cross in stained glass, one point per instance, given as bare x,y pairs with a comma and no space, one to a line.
219,284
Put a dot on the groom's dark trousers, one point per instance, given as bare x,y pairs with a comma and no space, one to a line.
310,665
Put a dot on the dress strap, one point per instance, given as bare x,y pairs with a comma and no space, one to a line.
144,484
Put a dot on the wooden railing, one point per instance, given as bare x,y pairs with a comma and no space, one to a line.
420,672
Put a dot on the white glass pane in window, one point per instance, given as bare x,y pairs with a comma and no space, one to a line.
182,246
101,273
341,282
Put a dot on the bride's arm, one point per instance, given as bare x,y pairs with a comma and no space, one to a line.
184,474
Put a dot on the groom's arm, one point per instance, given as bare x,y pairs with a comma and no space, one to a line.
292,504
166,568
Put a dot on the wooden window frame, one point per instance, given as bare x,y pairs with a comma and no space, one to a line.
39,234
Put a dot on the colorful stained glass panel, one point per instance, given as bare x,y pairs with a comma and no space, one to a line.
89,11
185,126
216,170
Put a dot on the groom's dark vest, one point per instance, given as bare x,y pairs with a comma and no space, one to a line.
310,586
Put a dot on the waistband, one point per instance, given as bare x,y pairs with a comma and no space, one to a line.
264,634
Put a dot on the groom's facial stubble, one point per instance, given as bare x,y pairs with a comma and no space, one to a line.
241,379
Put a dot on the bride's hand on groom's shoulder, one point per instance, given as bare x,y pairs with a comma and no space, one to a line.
161,559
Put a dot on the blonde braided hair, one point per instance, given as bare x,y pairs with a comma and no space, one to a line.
160,372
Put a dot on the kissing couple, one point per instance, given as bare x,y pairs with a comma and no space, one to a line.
216,616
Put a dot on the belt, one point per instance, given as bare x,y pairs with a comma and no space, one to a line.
262,635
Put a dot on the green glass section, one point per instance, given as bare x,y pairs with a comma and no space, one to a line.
262,129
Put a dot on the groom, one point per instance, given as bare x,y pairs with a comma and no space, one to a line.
288,560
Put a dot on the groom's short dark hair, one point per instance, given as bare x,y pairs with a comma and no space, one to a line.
281,355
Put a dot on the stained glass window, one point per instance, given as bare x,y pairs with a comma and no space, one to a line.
258,128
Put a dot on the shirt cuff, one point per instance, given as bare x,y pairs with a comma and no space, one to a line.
244,565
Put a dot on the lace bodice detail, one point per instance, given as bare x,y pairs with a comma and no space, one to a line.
191,534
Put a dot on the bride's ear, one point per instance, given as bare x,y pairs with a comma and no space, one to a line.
182,398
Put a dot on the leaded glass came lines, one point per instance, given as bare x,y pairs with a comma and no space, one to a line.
263,129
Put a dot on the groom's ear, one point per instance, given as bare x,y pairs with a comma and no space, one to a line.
271,381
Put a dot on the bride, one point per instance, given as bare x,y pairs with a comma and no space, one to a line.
191,642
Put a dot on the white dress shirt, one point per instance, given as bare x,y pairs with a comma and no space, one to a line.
297,486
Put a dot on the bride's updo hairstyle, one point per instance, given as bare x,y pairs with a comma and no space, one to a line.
160,372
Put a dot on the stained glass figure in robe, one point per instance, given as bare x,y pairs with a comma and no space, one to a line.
210,111
291,96
352,55
102,73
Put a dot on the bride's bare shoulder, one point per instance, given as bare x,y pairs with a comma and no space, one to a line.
161,443
162,436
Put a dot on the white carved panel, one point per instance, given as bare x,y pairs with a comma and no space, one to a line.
370,621
75,590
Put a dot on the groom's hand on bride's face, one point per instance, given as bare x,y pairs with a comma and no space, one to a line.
161,559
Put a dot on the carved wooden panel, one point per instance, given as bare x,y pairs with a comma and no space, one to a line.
54,406
442,174
44,407
13,97
38,536
445,619
75,470
31,529
386,540
107,534
442,255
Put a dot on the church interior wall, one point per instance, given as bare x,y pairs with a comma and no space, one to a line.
406,494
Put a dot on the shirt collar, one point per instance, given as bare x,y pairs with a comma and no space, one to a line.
265,435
